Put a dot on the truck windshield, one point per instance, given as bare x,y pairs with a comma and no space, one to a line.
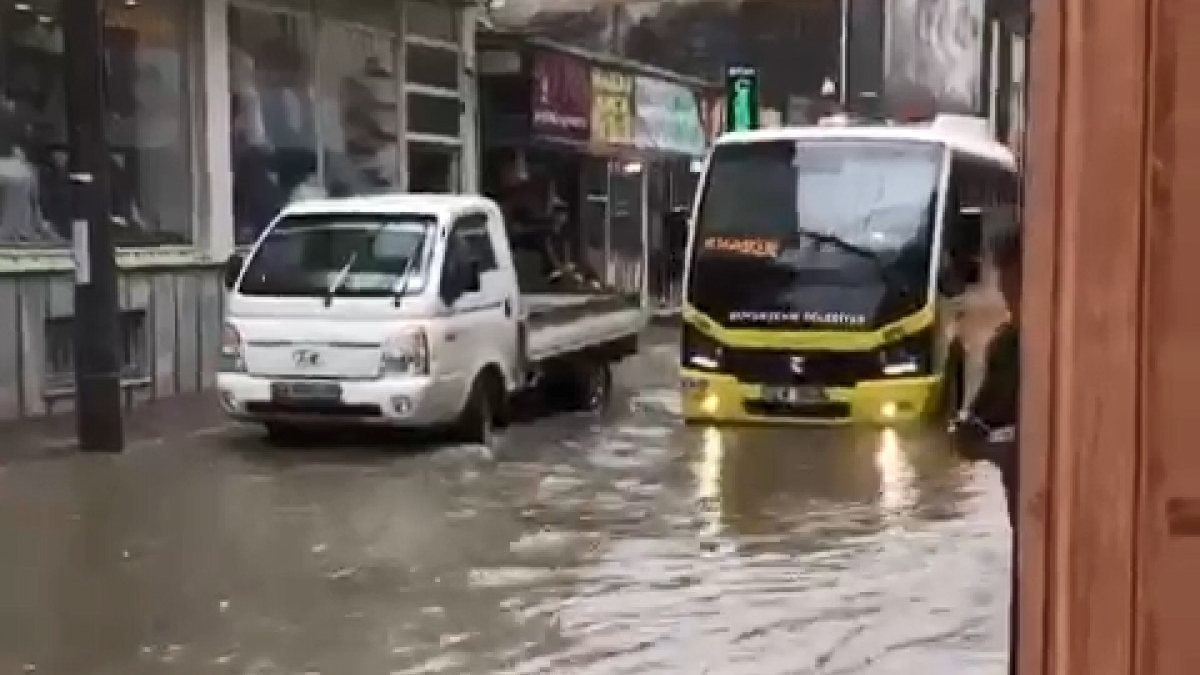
341,255
830,227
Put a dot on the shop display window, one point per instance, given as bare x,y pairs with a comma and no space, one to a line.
359,119
431,20
273,115
147,59
432,167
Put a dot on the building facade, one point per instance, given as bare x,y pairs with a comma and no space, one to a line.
219,113
615,142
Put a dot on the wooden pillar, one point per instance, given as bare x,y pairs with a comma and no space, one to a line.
1111,484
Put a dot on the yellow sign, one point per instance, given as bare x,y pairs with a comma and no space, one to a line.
758,248
612,101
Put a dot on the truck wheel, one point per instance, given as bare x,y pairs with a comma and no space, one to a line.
589,386
477,421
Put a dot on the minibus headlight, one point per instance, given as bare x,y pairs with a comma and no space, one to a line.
700,351
907,357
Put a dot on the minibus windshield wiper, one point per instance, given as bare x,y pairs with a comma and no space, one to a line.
885,270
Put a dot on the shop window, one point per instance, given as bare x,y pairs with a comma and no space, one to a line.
432,167
433,20
377,14
149,134
432,66
437,115
358,112
273,115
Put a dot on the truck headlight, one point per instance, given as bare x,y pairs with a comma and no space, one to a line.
233,356
406,353
700,351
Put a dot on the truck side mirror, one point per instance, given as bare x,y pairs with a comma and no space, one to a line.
233,270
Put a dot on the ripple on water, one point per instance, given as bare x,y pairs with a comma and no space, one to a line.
876,604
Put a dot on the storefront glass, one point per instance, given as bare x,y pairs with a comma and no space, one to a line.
433,96
147,59
432,20
273,114
432,167
358,96
317,91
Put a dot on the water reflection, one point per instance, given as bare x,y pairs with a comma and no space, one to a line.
896,476
754,482
628,544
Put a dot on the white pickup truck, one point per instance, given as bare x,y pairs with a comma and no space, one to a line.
405,311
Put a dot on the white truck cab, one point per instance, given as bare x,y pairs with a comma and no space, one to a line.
403,310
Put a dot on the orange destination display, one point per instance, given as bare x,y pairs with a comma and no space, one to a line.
751,246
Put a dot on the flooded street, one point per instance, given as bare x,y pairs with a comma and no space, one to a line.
623,544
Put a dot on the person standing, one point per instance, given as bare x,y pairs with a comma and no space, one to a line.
986,430
675,240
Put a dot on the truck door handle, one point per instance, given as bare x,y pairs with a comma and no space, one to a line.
507,308
451,337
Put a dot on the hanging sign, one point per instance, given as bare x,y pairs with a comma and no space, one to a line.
741,98
668,117
612,103
562,97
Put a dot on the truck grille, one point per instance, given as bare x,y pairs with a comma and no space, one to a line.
829,369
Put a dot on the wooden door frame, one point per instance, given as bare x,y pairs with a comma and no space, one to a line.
1082,336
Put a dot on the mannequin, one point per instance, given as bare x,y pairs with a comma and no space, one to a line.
20,210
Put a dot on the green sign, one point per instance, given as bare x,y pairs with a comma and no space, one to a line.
741,98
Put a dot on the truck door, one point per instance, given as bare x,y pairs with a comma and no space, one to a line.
483,318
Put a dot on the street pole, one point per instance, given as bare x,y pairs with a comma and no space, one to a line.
843,75
97,332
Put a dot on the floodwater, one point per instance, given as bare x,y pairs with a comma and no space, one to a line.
616,544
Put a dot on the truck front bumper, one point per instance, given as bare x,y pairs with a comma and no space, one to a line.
404,402
716,398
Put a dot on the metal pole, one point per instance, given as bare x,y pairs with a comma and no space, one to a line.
97,332
845,53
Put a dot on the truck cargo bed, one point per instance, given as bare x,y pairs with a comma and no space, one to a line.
562,323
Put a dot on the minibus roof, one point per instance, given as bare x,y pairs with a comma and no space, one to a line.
957,132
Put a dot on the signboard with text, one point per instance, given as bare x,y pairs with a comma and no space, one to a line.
612,107
741,98
667,117
562,97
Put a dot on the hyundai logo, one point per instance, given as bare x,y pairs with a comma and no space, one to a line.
797,364
306,358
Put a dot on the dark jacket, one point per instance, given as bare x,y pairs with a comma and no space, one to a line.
994,409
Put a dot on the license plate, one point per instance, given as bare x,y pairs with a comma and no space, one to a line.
307,392
793,395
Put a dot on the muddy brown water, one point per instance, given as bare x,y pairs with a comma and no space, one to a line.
621,544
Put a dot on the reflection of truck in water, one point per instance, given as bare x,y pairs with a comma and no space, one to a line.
820,263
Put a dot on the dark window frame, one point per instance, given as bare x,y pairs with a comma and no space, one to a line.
475,226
